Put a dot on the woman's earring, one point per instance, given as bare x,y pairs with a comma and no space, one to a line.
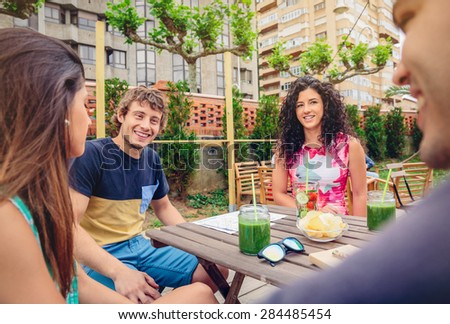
67,122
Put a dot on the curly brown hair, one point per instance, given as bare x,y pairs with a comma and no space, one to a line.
291,136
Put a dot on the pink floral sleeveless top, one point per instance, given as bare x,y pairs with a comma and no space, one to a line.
328,168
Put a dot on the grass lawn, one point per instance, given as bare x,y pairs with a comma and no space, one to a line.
194,207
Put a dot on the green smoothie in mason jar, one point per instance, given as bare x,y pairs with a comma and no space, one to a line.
254,228
380,211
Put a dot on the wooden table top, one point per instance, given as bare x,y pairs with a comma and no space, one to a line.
223,249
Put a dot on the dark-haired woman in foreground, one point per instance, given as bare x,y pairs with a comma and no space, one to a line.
43,124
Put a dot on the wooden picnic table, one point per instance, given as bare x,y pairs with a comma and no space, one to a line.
213,247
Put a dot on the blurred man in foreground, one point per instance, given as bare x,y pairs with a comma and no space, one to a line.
408,262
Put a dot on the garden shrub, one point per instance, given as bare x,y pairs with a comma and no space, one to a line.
375,134
354,120
395,133
114,90
416,136
180,160
266,125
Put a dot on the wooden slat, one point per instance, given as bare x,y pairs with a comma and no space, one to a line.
228,256
234,240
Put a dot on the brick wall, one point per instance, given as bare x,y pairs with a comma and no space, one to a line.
206,115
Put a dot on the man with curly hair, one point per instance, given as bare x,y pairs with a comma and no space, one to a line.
113,184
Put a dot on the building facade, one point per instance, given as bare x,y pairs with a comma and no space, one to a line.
73,21
301,22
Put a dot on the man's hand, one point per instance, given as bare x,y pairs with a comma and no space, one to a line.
137,286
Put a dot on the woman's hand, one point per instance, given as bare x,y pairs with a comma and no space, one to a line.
329,209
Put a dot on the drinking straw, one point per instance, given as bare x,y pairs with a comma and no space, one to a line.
386,185
254,195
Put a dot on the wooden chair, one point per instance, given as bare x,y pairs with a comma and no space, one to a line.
409,181
421,177
267,163
372,184
244,171
265,178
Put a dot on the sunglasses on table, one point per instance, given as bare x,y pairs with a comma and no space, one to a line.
276,252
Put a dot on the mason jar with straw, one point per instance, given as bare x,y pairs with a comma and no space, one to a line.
254,226
380,207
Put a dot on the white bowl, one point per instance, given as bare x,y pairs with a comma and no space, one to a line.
322,236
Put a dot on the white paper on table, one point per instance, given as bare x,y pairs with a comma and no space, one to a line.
228,223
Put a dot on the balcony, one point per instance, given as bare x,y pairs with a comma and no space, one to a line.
273,25
266,5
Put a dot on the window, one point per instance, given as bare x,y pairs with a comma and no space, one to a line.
246,76
145,55
220,75
116,59
286,86
293,14
31,22
319,6
146,67
321,35
268,19
223,39
291,3
84,23
54,14
87,54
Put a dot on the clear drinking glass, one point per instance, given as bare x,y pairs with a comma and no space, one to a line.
306,196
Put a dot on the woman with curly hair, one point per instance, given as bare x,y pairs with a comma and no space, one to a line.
315,137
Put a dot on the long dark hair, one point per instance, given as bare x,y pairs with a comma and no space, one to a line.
39,77
291,134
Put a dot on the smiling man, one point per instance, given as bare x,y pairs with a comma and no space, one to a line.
409,261
113,184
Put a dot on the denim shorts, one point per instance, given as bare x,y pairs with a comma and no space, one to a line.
168,266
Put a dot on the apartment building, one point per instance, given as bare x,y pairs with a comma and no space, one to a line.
73,21
301,22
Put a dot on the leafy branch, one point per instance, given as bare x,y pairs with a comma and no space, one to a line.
353,60
22,9
191,33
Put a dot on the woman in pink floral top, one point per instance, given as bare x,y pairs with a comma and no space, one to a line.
315,135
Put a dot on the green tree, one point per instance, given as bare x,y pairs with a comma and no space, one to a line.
238,110
396,90
114,90
375,135
179,159
416,136
395,133
241,149
22,9
266,125
316,60
189,32
355,119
